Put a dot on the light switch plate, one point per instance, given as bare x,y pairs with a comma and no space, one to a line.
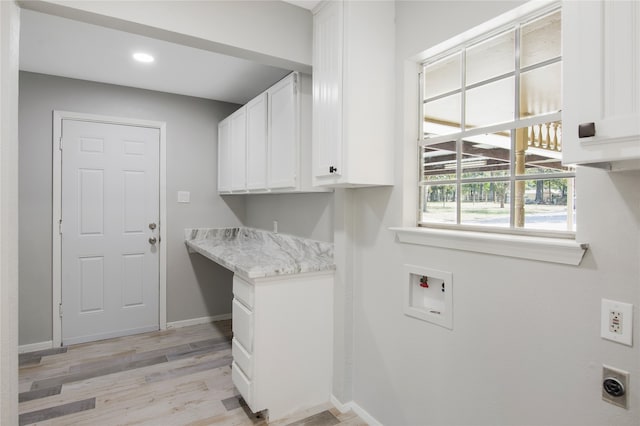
616,323
184,196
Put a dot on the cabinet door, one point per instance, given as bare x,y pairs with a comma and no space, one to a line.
239,150
224,156
257,143
283,133
327,90
601,70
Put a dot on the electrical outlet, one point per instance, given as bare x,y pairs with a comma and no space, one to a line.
615,386
617,321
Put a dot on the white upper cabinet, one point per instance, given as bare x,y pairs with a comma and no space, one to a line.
239,150
265,146
353,86
601,83
284,134
224,156
257,143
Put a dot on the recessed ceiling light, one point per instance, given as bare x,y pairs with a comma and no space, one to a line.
143,57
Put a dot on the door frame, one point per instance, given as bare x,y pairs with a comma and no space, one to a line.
58,116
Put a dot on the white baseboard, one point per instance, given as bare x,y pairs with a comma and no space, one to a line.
32,347
361,412
196,321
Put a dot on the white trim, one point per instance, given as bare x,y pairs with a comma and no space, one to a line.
9,60
553,250
32,347
197,321
163,226
529,8
58,116
361,412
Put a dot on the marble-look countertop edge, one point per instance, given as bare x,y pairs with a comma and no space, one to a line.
193,246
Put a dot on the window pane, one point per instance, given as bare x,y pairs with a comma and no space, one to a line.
539,150
438,204
442,117
490,58
485,204
490,104
541,90
540,40
439,162
486,155
546,204
442,76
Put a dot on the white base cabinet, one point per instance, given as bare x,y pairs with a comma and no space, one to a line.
283,341
601,83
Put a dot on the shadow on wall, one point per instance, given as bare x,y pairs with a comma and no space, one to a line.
236,204
306,215
215,283
373,205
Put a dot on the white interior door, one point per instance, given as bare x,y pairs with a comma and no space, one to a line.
110,218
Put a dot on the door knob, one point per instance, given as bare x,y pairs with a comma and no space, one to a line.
152,240
152,226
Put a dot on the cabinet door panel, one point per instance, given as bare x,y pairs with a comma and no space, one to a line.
283,134
601,84
239,150
327,90
244,385
257,143
242,324
224,156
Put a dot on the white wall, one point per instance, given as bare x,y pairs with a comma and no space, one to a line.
526,346
305,215
196,287
266,31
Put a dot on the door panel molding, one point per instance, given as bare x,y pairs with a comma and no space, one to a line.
58,117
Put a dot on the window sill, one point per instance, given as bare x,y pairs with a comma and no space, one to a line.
553,250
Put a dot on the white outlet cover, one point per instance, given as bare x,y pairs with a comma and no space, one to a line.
184,196
626,311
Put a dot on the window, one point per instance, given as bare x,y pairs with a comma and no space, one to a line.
491,147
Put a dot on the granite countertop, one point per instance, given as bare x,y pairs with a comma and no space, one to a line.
254,253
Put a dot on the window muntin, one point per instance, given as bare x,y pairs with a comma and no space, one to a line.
446,73
540,40
493,137
490,58
541,90
490,103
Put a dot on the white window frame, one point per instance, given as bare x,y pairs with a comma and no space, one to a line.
559,249
517,123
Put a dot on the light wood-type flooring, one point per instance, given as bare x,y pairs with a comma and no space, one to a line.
175,377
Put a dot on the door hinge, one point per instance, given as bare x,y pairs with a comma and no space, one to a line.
60,143
60,226
60,310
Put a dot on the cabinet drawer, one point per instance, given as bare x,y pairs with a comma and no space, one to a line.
243,291
242,324
243,358
242,383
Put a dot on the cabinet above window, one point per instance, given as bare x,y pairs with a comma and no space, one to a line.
601,84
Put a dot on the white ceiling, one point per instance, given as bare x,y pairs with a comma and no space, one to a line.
306,4
68,48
